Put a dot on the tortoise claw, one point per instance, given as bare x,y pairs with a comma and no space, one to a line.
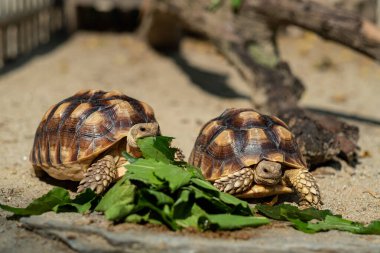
99,176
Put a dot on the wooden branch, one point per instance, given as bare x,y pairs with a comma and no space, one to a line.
275,90
333,24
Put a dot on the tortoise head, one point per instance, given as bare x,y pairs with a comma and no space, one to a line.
267,173
141,130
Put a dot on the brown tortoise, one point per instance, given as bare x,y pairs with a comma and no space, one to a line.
81,138
252,155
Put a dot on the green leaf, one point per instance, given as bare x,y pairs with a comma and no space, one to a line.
157,173
175,176
157,148
137,218
338,223
286,212
119,210
81,204
208,202
129,158
372,229
114,201
230,221
46,203
191,217
205,185
194,171
238,206
305,220
143,171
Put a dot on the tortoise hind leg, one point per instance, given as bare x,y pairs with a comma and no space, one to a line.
306,187
99,176
237,182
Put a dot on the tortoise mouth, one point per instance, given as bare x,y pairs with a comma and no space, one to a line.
267,181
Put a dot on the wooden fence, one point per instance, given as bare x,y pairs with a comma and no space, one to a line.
25,24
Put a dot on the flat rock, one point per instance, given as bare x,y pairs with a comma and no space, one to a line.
93,234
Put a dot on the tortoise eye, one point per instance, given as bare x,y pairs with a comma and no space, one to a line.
142,129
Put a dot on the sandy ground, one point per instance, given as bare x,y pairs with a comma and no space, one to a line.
185,90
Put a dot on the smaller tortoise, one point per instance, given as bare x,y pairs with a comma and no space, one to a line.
81,138
252,155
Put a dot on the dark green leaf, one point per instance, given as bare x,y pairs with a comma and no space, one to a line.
81,204
46,203
230,221
182,207
238,206
156,213
285,212
157,197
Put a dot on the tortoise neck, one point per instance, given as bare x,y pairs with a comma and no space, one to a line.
133,150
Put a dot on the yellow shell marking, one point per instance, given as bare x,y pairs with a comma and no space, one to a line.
283,133
249,115
256,134
79,110
225,138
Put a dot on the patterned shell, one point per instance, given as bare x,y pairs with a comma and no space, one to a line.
80,127
240,138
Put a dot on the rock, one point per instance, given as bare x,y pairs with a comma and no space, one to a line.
100,237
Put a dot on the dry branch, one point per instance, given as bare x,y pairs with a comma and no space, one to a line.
330,23
248,40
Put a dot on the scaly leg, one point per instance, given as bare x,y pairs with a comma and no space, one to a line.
237,182
100,175
305,186
272,202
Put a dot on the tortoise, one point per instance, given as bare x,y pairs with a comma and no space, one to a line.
251,155
81,138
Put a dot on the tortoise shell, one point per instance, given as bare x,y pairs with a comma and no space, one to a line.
76,130
241,138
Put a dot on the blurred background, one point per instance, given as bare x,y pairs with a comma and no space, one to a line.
27,24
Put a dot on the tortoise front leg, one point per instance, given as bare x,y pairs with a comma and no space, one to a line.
237,182
303,182
100,175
